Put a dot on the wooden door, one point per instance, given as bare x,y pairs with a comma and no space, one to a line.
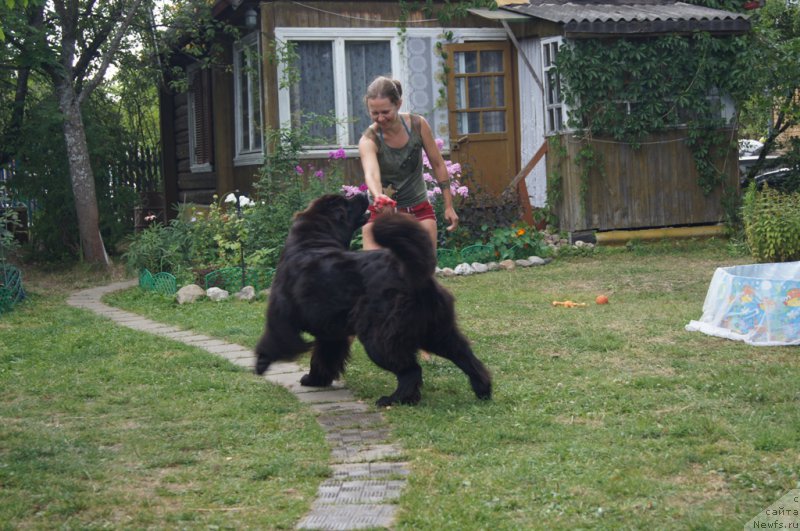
482,119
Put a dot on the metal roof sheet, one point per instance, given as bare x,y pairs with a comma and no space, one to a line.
639,16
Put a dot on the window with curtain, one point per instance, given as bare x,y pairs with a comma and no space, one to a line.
201,151
332,72
247,101
364,62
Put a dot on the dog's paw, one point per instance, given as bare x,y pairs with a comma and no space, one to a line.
308,380
261,367
483,391
383,401
386,401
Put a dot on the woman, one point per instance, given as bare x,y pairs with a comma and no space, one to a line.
391,156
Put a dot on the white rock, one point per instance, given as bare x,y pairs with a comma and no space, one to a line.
579,244
493,266
479,267
247,293
217,294
523,263
448,272
536,260
507,265
464,269
189,294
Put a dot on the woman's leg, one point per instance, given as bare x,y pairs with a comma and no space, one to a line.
367,240
430,228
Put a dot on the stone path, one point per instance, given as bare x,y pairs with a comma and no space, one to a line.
368,474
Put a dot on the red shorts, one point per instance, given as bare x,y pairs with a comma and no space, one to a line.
421,211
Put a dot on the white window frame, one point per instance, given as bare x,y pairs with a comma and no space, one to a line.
245,155
560,106
194,167
339,72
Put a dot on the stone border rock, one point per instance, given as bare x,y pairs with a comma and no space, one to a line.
368,473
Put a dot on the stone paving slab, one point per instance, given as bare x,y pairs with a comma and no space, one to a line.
179,334
224,348
340,407
238,354
343,517
365,453
291,381
282,367
359,491
339,420
204,343
378,470
357,436
247,363
194,339
338,395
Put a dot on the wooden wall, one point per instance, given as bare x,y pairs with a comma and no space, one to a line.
652,186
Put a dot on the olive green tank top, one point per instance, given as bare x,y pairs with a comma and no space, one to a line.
401,168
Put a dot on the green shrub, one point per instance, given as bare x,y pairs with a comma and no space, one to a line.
203,239
516,242
772,224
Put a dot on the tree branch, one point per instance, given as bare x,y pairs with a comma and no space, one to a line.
109,52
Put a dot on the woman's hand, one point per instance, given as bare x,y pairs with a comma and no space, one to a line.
384,202
452,218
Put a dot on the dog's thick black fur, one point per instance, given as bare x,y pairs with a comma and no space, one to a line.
388,298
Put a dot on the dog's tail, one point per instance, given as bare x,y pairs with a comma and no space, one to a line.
409,241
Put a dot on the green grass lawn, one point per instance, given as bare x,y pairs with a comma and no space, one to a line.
104,427
603,417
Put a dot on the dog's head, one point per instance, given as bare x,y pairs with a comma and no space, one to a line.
338,216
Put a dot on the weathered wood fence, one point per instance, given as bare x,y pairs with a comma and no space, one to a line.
654,185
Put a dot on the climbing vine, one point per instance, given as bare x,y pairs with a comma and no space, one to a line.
630,88
444,12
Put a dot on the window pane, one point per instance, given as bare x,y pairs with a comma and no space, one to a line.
494,122
479,92
313,92
244,115
365,60
466,62
468,122
491,61
499,91
461,93
255,108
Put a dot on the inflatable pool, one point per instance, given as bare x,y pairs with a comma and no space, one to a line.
758,304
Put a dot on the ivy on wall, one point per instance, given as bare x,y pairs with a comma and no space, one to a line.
630,88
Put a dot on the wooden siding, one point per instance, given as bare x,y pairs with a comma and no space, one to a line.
652,186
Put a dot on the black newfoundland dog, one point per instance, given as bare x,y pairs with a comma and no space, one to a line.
388,298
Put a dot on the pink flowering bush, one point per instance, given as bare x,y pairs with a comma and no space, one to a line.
453,171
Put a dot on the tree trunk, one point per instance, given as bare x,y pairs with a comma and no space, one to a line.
82,177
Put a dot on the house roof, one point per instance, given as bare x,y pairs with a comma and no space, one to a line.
631,17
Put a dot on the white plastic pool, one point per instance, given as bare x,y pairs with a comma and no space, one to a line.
758,304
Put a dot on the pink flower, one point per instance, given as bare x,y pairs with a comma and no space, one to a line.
463,191
299,169
319,174
350,191
428,177
338,154
439,143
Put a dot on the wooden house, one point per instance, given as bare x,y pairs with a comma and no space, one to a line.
481,80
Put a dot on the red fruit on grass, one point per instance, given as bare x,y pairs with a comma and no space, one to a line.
601,299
